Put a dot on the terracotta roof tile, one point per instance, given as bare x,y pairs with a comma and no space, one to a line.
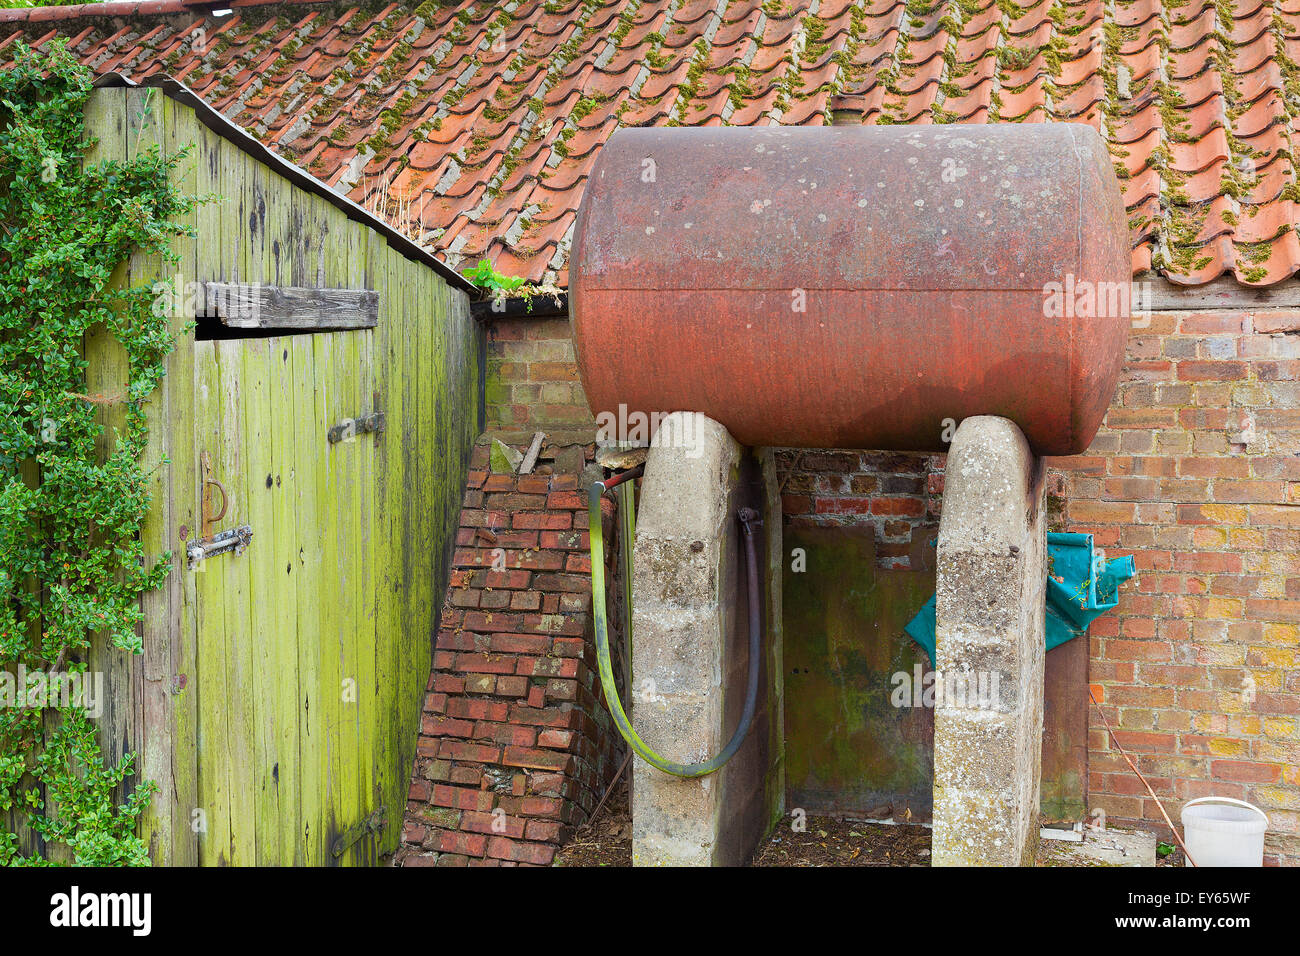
482,122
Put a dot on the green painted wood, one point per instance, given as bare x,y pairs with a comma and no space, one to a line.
148,126
391,647
106,376
324,511
240,695
284,632
369,694
230,464
259,563
171,815
309,419
346,503
212,816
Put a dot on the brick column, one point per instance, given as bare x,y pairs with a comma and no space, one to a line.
515,744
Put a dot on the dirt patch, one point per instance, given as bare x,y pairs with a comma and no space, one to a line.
827,841
609,841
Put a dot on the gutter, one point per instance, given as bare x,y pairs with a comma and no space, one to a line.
544,306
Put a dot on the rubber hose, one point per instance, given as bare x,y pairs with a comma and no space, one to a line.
747,518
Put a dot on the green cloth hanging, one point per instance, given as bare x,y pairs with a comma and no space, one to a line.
1088,587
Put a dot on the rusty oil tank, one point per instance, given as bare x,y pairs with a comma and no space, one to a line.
855,287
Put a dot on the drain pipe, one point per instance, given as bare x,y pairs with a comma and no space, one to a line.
749,520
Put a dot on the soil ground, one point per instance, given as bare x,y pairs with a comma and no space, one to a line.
828,841
608,842
824,841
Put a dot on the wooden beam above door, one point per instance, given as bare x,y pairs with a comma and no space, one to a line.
252,305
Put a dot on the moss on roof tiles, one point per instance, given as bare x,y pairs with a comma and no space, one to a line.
958,37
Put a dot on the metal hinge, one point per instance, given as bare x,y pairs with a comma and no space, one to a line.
236,540
371,824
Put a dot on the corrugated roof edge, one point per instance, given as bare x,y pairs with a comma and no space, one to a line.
224,128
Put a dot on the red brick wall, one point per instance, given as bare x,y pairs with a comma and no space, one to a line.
1210,512
898,493
532,376
515,745
1196,473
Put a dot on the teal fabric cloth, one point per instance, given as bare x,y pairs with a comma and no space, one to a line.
1088,587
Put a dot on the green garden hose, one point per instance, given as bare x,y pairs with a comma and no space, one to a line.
748,519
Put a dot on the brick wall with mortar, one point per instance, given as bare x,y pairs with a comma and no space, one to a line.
897,493
532,376
1196,473
516,747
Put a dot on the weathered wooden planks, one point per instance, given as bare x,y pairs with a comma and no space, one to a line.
106,378
310,414
175,652
241,697
212,815
281,767
265,591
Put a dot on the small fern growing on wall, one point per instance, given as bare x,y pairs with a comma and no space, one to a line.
72,564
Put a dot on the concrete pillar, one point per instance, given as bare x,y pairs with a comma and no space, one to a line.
988,727
690,647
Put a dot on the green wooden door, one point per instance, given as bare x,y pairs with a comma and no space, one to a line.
287,735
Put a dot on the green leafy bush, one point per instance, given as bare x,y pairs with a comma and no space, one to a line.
72,565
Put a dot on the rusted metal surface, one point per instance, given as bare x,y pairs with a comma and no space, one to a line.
855,287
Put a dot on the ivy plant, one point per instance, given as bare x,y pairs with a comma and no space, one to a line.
72,498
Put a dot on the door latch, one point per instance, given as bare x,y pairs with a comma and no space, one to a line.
235,539
371,824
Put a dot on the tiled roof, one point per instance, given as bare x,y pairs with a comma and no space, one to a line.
473,125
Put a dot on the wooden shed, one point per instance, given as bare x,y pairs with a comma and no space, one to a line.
311,441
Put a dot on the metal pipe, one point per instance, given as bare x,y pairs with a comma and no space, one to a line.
613,481
748,521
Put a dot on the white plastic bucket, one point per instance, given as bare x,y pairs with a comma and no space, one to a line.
1219,835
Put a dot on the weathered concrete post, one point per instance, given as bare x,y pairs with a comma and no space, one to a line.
988,724
690,647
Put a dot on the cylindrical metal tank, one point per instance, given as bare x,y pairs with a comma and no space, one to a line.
854,287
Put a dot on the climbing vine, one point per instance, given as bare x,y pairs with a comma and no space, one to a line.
73,495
